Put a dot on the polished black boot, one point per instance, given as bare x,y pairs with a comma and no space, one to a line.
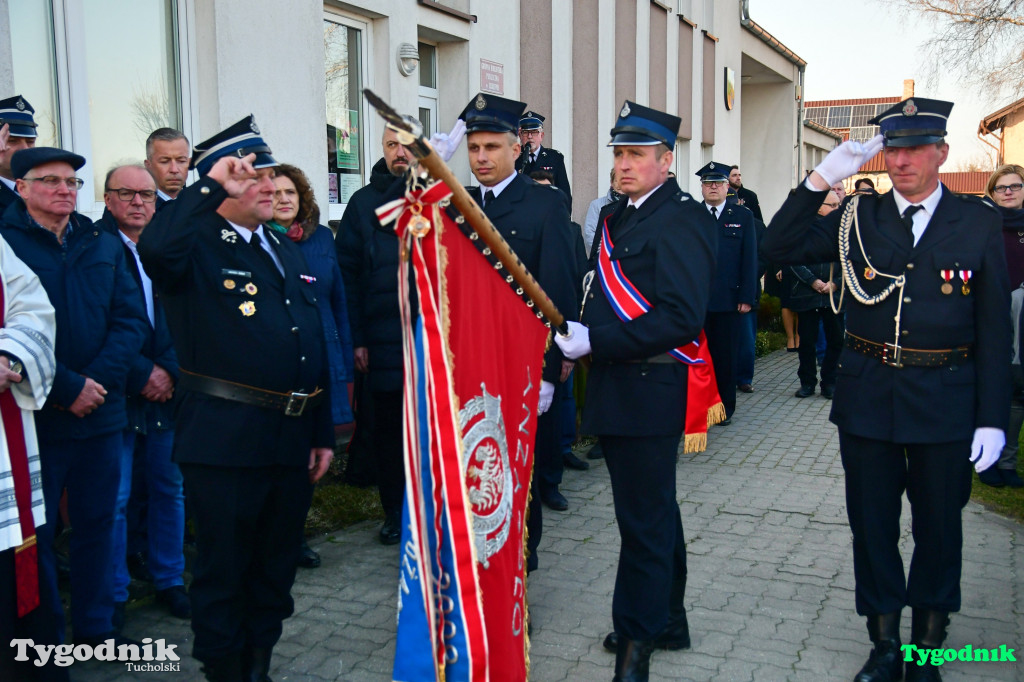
226,669
632,661
885,664
675,636
259,665
927,631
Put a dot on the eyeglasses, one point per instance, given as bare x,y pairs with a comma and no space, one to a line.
831,204
535,132
714,183
128,195
1015,187
54,181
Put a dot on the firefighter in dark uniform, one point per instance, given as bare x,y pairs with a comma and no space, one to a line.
923,382
534,220
536,157
734,288
253,425
17,132
664,245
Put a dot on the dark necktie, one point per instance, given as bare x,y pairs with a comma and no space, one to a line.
533,158
714,212
488,197
626,215
908,216
257,244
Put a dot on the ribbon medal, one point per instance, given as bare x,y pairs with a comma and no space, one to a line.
965,275
947,275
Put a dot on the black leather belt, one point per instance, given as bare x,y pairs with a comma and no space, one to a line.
292,404
898,356
663,359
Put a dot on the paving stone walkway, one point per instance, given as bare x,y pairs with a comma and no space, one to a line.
770,593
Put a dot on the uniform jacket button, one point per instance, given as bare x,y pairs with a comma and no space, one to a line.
906,299
910,266
905,332
295,330
302,359
287,301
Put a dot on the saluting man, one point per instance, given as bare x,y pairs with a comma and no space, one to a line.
254,422
534,156
923,382
660,243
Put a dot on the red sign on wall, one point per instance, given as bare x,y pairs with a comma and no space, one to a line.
492,77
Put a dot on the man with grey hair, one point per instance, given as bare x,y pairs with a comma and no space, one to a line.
167,157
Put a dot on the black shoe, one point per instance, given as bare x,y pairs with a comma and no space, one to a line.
805,392
674,637
595,452
555,500
632,661
1011,478
227,669
927,631
745,388
307,557
138,568
391,531
725,422
258,665
992,477
885,663
175,601
573,462
827,391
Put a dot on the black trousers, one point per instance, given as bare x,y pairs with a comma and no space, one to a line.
651,579
722,332
39,625
547,474
807,328
387,449
937,479
249,522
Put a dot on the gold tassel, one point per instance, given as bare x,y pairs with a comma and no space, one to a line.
695,442
716,414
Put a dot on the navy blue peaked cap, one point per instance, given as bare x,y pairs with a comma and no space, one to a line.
640,125
241,139
914,122
714,171
17,113
531,120
490,113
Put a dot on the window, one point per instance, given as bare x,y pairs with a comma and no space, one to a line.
344,51
102,75
428,88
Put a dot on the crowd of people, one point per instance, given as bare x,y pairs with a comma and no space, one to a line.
205,337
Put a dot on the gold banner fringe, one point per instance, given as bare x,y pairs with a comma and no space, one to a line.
695,442
716,414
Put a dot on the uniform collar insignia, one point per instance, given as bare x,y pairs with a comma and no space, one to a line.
228,235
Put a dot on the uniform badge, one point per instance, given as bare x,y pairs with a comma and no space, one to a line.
250,289
308,279
480,103
947,287
869,273
248,308
910,109
20,104
965,275
711,166
229,284
253,127
625,110
230,236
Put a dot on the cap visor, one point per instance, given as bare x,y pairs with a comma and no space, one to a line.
633,139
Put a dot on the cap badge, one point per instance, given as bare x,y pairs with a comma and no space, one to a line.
253,127
909,109
20,104
711,166
480,103
230,236
625,110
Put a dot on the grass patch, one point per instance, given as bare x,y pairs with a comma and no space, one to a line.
1006,501
338,505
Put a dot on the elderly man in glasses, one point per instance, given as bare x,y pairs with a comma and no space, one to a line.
130,195
101,325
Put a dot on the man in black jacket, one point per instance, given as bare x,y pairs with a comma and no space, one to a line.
368,257
17,132
130,194
254,427
535,156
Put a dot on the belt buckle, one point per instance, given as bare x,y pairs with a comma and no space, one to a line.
296,399
892,355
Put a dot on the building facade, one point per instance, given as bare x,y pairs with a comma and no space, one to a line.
101,75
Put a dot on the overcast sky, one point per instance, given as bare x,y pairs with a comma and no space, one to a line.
867,49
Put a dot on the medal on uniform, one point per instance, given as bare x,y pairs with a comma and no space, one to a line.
947,275
418,224
869,273
250,289
229,284
965,275
248,308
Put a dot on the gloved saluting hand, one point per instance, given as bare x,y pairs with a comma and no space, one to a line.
445,144
847,158
576,343
986,446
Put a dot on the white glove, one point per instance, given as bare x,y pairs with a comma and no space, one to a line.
445,144
547,393
847,158
576,343
988,443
